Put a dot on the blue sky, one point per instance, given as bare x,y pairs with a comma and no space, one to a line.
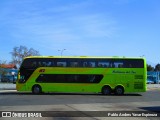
128,28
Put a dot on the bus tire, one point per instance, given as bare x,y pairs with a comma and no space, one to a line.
119,90
36,89
106,90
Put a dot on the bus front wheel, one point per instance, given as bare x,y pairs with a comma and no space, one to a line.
36,89
106,90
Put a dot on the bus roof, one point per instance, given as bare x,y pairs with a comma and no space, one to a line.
87,57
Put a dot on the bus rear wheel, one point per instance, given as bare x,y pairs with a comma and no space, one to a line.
106,90
119,90
36,89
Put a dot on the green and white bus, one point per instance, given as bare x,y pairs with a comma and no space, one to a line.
106,75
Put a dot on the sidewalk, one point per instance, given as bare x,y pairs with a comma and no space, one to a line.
7,86
153,86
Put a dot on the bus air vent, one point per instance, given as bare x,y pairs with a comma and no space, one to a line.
138,76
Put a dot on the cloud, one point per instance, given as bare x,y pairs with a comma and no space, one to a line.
71,28
66,25
96,25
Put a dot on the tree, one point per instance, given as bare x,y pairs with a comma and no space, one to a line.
150,68
20,52
157,67
2,70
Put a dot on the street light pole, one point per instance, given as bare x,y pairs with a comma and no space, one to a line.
13,75
142,56
62,51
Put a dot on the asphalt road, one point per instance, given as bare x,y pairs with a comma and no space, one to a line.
15,101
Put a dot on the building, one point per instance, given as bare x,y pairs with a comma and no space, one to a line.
8,72
8,66
154,76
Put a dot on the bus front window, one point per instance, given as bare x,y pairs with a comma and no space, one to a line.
22,79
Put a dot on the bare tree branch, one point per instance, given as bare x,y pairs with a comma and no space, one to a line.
20,52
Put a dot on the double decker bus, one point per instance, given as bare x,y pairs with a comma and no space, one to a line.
106,75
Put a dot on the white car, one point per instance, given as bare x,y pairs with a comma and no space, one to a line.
150,82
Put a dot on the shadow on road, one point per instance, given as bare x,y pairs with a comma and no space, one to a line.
87,94
152,108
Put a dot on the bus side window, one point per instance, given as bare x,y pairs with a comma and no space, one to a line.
43,64
61,64
100,65
113,65
120,66
33,65
130,65
74,64
49,64
110,65
39,64
91,64
105,65
84,64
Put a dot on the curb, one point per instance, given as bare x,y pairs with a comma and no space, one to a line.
153,88
8,91
7,88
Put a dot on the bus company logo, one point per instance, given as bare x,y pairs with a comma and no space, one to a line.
123,72
6,114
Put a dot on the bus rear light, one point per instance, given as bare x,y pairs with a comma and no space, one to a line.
42,70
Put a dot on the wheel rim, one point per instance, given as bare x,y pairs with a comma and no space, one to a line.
106,91
36,89
119,91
